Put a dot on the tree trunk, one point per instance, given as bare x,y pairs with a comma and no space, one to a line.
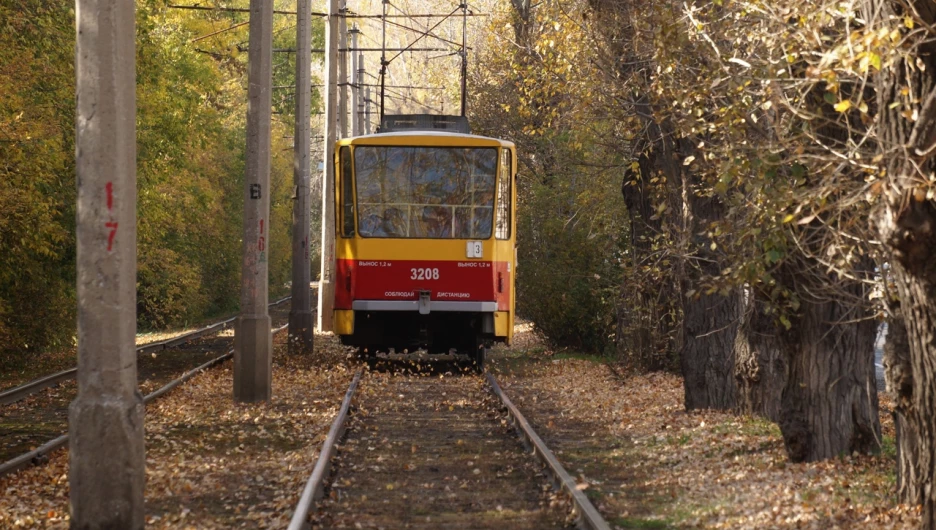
707,355
760,367
899,376
710,321
829,405
645,332
916,385
906,224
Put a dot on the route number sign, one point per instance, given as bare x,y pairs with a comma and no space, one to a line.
475,249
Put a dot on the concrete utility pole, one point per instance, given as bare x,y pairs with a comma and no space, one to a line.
361,99
253,342
355,83
105,422
343,71
300,315
326,291
367,119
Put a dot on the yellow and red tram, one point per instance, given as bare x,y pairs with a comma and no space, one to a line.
425,242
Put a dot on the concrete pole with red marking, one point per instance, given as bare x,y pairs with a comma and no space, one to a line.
105,422
253,341
301,329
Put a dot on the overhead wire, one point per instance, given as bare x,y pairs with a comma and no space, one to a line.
424,35
398,96
369,19
420,31
428,32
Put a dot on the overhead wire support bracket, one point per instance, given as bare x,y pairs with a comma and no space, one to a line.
314,14
355,15
345,50
235,10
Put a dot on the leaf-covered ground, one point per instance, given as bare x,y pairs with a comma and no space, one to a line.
646,463
211,463
642,459
42,416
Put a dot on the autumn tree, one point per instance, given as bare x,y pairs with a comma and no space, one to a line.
906,136
527,86
37,191
645,47
731,106
810,260
191,107
190,110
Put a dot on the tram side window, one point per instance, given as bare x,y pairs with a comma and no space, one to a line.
503,197
347,194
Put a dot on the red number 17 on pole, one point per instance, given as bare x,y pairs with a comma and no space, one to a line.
110,225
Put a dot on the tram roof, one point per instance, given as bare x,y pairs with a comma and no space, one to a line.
414,136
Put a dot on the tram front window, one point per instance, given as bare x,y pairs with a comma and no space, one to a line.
425,192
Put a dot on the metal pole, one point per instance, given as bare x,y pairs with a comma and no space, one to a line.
383,59
106,454
326,301
355,84
464,62
342,72
253,342
301,334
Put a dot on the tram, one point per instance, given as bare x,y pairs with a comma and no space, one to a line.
425,238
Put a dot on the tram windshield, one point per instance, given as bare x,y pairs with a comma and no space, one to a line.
425,192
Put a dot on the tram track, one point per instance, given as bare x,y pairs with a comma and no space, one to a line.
34,417
17,393
437,450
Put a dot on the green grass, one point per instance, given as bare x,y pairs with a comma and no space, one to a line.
681,510
682,440
580,356
889,447
757,426
639,522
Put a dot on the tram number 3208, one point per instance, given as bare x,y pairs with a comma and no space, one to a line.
424,274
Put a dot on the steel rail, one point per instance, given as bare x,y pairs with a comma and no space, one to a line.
315,486
195,371
39,455
26,389
588,516
17,393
